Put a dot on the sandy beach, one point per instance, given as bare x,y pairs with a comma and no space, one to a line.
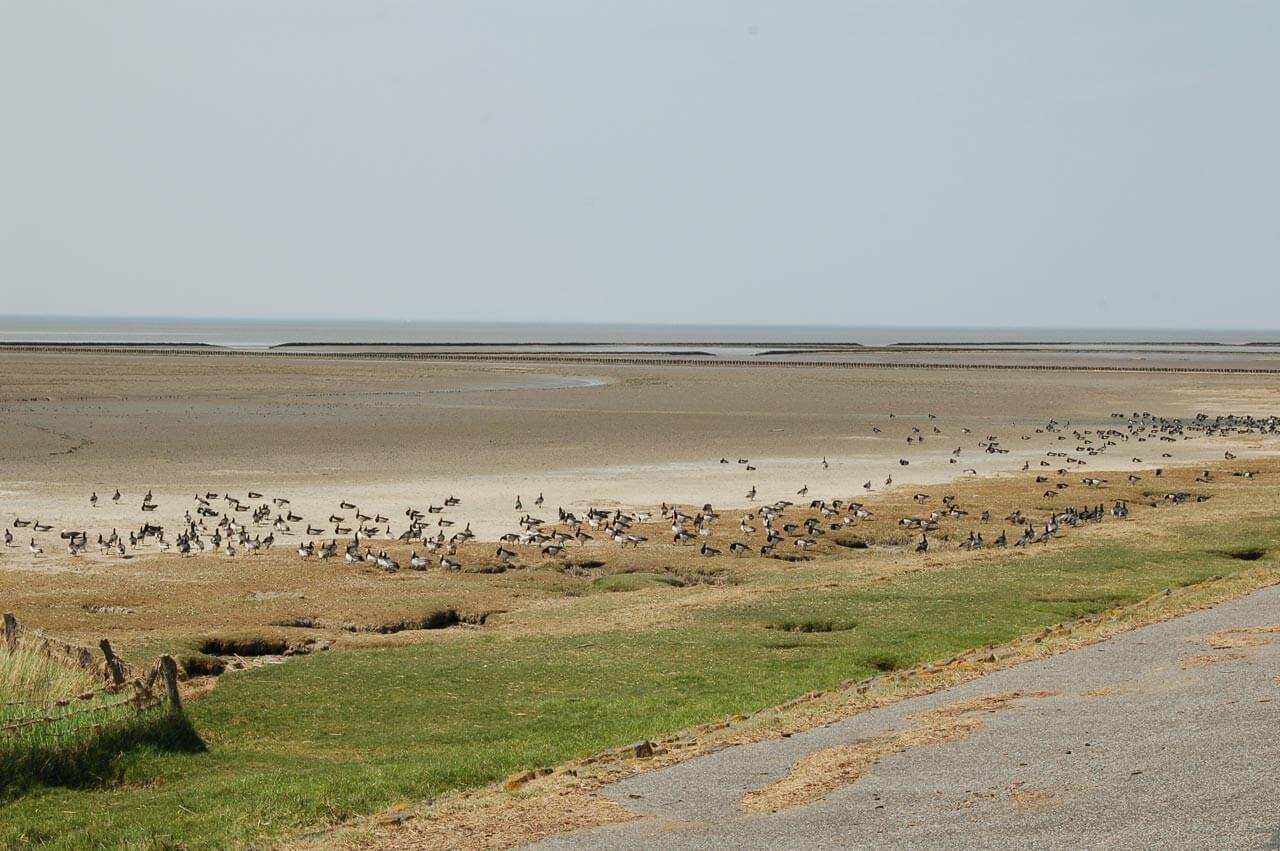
387,435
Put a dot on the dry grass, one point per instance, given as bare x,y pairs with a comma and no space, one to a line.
470,823
820,773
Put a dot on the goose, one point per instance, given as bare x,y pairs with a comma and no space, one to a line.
804,490
254,495
314,530
328,550
709,551
306,550
923,546
19,524
40,527
116,498
1003,540
552,550
538,502
293,518
452,500
504,555
738,548
825,465
866,485
418,562
93,499
346,505
751,494
34,548
449,564
8,538
519,505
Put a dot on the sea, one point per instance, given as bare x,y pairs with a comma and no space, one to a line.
266,333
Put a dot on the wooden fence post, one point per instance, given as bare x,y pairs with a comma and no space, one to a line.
169,670
114,666
10,631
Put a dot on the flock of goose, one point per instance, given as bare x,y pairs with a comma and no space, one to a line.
226,524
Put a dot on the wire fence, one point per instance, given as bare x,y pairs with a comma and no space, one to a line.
109,690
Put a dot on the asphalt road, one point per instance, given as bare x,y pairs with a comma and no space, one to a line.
1152,739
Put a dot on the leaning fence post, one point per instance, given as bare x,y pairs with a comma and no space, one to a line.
10,631
114,665
169,670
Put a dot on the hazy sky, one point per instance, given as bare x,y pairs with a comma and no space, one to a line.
975,163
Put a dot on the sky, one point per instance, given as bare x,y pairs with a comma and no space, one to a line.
1009,164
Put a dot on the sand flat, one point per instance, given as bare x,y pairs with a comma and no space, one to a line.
396,433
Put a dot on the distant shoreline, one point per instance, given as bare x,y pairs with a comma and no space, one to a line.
658,359
774,347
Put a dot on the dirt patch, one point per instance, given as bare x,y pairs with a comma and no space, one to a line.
790,557
243,646
203,666
108,610
1030,800
816,775
472,823
438,619
1205,659
812,625
1245,554
1105,691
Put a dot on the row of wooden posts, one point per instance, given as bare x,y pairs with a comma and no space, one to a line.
117,670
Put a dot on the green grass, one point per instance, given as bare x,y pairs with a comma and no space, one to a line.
59,728
327,737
